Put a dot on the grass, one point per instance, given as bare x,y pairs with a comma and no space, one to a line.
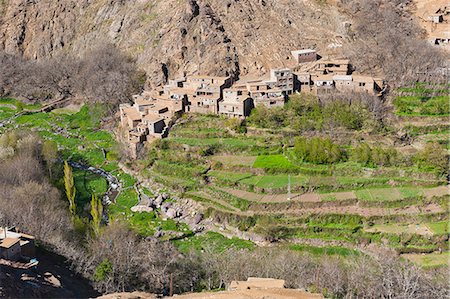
439,228
225,142
422,105
387,194
400,228
431,260
88,183
146,224
239,203
212,241
329,250
273,162
235,160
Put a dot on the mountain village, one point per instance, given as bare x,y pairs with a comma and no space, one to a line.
154,111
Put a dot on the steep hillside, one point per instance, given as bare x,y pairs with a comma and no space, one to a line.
168,37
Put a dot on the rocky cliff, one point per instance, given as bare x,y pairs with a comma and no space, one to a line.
217,37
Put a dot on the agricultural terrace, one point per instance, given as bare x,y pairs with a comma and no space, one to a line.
241,176
77,133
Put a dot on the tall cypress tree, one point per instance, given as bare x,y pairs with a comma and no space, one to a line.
70,188
96,213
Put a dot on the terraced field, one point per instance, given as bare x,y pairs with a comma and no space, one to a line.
243,182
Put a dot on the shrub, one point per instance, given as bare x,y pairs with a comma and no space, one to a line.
433,157
318,150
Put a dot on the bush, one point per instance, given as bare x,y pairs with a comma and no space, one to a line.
433,157
318,150
371,156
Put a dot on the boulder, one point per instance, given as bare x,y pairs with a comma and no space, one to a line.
141,209
158,234
165,206
198,218
159,200
172,213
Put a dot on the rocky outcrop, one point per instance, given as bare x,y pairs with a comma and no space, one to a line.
172,37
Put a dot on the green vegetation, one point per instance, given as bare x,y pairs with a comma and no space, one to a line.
423,99
422,106
439,228
273,162
432,260
103,270
304,113
317,150
329,250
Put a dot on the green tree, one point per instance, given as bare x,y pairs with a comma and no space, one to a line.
49,154
70,188
433,157
103,270
96,214
362,154
318,150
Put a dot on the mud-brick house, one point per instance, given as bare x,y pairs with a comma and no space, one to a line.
207,92
364,84
343,83
305,84
10,249
323,83
148,118
281,79
335,67
236,103
14,245
306,55
262,93
436,18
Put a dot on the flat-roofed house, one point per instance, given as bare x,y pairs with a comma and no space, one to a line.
335,66
436,18
343,83
154,123
204,104
305,83
281,79
323,83
269,98
14,245
306,55
236,103
206,92
10,249
129,116
364,84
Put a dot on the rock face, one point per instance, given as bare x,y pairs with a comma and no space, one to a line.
168,38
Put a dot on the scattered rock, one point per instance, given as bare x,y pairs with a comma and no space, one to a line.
172,213
198,218
158,234
141,209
